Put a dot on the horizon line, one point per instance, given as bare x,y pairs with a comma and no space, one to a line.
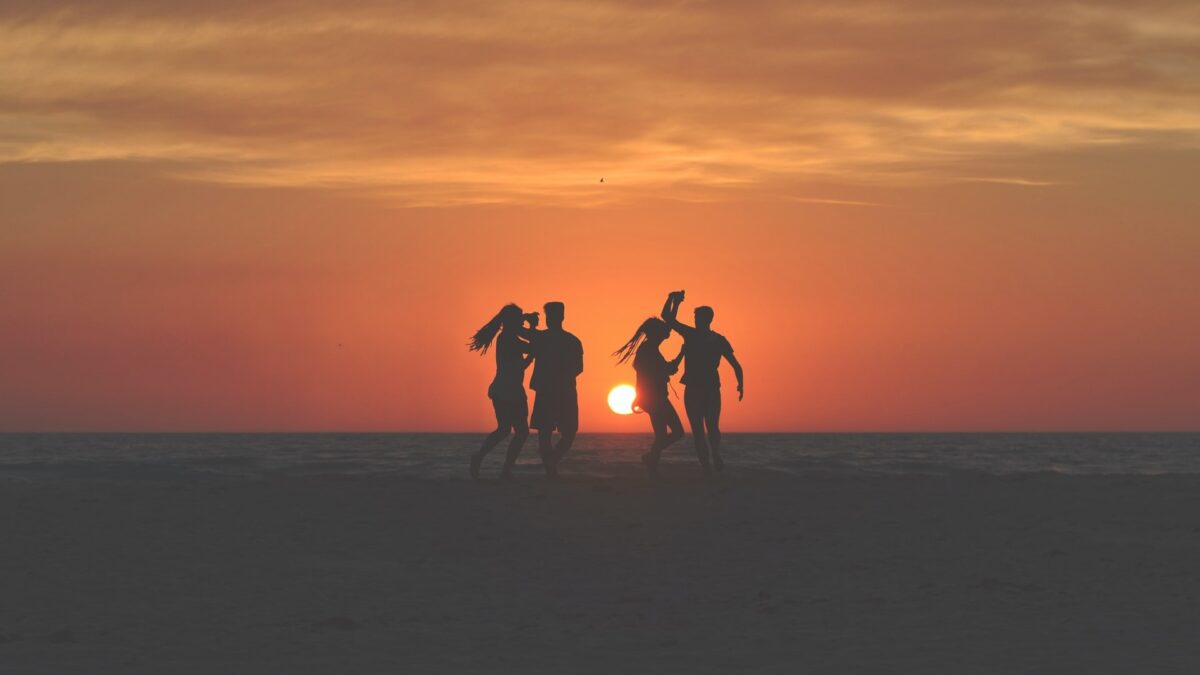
626,433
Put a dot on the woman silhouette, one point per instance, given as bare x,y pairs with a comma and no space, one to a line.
507,390
653,374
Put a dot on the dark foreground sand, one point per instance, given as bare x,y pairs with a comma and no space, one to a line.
751,573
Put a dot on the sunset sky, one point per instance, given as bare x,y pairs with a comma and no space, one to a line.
929,215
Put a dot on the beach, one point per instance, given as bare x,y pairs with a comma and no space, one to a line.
751,571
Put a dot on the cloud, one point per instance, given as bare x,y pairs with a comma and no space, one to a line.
507,101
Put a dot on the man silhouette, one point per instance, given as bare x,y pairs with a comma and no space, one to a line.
558,360
702,351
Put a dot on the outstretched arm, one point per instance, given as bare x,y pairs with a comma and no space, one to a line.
737,370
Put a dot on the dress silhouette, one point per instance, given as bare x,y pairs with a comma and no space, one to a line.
507,390
653,375
558,360
702,350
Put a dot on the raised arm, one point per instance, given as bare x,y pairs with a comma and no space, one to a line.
671,310
529,329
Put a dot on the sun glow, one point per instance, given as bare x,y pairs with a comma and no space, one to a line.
620,399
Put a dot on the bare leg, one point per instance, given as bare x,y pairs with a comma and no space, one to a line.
514,450
650,459
712,420
546,450
695,413
565,439
674,424
493,439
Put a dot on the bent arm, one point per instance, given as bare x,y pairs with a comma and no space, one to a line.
524,346
673,364
528,329
527,350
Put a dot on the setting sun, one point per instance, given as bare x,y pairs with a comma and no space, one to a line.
620,399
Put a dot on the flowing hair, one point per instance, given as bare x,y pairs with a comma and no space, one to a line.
482,339
630,348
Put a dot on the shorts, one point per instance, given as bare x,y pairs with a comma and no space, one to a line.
511,412
651,404
701,401
556,410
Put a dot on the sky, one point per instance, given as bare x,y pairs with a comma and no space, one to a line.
931,215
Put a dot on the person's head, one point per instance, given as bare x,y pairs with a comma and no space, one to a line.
652,331
704,317
555,313
510,316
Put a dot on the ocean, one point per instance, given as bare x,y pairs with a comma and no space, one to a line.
35,457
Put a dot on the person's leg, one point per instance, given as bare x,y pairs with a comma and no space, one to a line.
543,421
693,405
520,433
672,422
712,420
565,438
568,424
493,439
546,449
659,425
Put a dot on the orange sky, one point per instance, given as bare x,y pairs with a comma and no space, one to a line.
945,216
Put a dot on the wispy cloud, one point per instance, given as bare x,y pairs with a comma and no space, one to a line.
515,101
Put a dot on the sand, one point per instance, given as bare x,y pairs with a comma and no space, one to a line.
754,572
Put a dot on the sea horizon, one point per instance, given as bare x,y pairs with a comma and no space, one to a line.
36,455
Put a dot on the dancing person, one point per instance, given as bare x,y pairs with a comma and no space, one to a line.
558,360
703,349
653,374
507,390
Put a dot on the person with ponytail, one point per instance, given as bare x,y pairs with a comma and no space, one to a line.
507,390
653,374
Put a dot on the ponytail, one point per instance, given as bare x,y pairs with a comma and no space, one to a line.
630,348
482,339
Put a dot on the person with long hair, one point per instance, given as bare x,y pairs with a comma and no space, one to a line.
653,375
507,390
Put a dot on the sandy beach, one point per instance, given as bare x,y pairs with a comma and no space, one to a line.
752,572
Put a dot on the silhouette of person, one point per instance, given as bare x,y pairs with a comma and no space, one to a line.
653,374
558,360
702,350
507,390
